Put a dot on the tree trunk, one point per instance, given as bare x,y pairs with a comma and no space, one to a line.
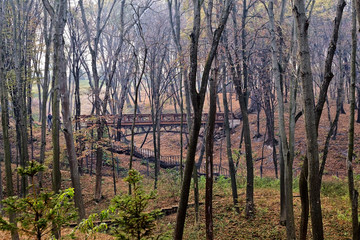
93,48
249,209
353,193
1,189
59,17
137,85
19,91
310,118
340,92
291,155
57,38
327,77
210,160
123,94
198,103
285,154
5,126
45,87
358,103
228,142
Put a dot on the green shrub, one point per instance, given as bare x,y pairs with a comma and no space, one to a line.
335,187
38,213
202,182
127,214
266,182
171,181
222,185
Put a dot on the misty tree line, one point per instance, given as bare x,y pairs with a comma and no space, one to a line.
267,54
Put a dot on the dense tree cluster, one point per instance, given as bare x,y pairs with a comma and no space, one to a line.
291,59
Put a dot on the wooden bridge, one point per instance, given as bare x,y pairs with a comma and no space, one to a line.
145,120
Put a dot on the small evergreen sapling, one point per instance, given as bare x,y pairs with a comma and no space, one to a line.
39,212
127,213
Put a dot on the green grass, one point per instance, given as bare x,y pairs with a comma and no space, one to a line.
334,188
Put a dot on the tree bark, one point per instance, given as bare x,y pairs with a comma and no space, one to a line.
353,193
45,92
357,6
302,24
198,103
288,201
19,92
57,38
228,143
327,77
249,209
340,93
210,160
5,125
59,17
132,144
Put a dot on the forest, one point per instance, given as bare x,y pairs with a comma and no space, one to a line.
177,119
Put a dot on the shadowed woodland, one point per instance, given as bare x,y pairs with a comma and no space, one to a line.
146,119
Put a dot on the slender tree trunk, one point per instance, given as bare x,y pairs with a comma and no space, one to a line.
158,126
340,89
358,103
1,188
228,143
353,193
327,77
196,193
45,87
285,154
123,94
19,90
357,6
303,189
249,209
198,103
59,17
5,127
243,100
56,174
282,185
181,125
137,85
302,24
210,160
93,48
290,159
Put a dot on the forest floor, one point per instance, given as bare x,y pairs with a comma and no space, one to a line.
228,224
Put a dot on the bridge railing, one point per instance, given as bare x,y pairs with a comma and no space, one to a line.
218,170
145,118
170,161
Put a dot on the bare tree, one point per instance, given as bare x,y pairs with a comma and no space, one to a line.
290,223
227,135
239,72
20,17
5,123
59,17
45,87
327,77
93,45
197,99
